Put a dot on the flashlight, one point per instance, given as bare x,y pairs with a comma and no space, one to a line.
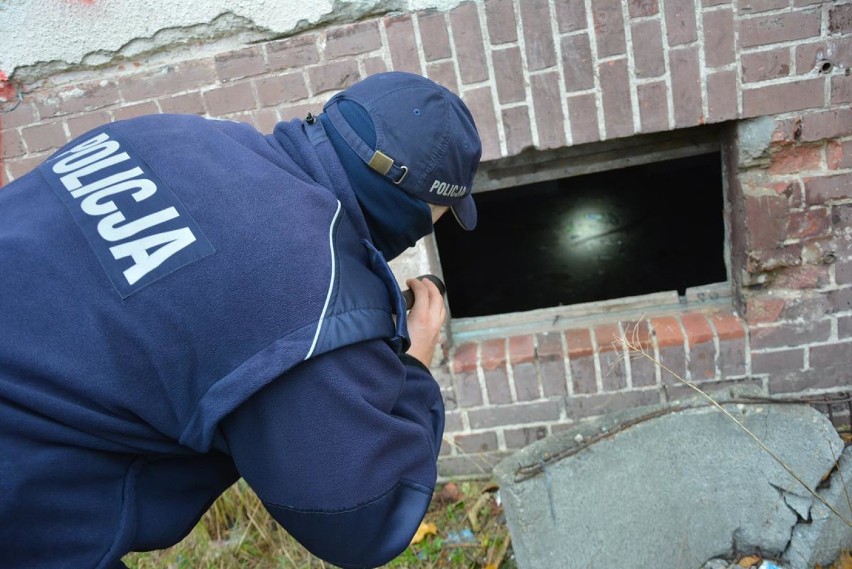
408,296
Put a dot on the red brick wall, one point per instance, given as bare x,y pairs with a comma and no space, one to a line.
548,74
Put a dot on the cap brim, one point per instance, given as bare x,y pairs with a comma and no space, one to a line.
465,213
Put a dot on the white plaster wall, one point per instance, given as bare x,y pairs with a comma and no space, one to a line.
71,32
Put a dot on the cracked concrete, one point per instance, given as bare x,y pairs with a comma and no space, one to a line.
38,39
687,485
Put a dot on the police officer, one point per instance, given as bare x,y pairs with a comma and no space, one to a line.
185,301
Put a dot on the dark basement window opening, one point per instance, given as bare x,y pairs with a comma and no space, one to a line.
633,231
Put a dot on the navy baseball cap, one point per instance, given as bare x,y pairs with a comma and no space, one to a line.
426,140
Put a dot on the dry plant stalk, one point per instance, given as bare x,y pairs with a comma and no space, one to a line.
634,346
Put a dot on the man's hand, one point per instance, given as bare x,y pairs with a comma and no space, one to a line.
425,319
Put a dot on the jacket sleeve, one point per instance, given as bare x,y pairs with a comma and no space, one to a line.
342,451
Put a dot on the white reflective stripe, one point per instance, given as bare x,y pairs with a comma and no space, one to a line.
330,282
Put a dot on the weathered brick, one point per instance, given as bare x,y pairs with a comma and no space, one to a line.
840,19
615,90
493,354
795,159
783,98
521,349
547,102
765,220
282,87
402,43
240,64
443,376
23,115
778,361
819,190
477,442
825,124
579,343
47,136
765,65
812,55
470,464
570,16
642,8
509,75
82,124
718,38
11,144
515,414
577,63
443,73
553,378
609,27
333,76
673,360
187,103
373,65
549,345
481,106
841,89
667,331
702,364
184,76
538,36
814,379
434,35
643,370
292,53
613,370
789,334
467,37
353,39
840,299
78,98
453,422
680,21
468,392
746,7
231,98
686,87
137,110
608,337
800,278
844,327
516,125
697,328
526,382
813,222
653,106
519,438
677,391
23,165
648,57
501,22
594,405
838,154
583,375
777,28
298,110
583,113
732,357
728,326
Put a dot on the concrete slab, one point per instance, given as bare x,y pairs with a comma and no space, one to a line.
665,486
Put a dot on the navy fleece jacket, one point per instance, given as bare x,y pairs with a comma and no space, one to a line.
186,301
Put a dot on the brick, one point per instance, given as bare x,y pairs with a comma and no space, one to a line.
501,22
838,154
11,144
482,108
701,362
444,378
547,102
840,19
678,391
23,115
579,343
469,464
434,35
765,65
680,21
553,378
78,98
783,98
292,53
801,278
841,89
607,337
583,114
840,300
516,125
468,392
814,379
732,357
813,222
526,382
188,103
81,124
613,370
746,7
286,87
493,354
521,349
577,63
478,442
47,136
298,111
728,326
22,166
819,190
137,110
778,361
648,57
844,327
719,38
697,328
509,75
795,159
843,273
667,331
765,220
595,405
583,374
609,27
825,124
570,16
240,64
519,438
643,370
810,56
443,73
722,96
642,8
374,65
638,334
784,27
232,98
453,422
516,414
168,80
653,106
789,334
333,76
615,90
686,87
467,37
673,360
353,39
538,35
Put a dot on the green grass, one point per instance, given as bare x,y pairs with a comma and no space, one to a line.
237,532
